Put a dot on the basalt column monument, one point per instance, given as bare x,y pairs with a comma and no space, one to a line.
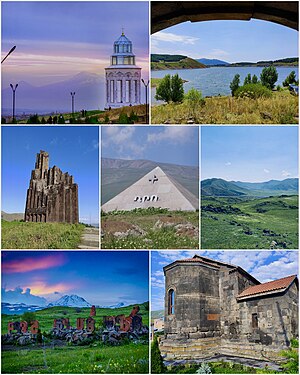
52,195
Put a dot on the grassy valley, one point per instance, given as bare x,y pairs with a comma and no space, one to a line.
21,235
247,222
58,357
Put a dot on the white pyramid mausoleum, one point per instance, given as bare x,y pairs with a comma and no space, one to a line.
155,189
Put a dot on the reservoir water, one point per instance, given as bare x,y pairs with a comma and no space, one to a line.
216,80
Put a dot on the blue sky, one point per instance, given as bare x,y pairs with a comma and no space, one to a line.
56,40
249,153
43,277
231,41
72,149
263,265
165,144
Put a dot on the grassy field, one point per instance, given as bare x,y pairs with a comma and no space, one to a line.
281,108
251,223
186,63
154,237
46,316
94,358
21,235
126,359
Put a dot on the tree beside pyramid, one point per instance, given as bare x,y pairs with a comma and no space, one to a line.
156,189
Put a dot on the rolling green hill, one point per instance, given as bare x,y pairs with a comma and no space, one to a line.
217,187
249,222
167,62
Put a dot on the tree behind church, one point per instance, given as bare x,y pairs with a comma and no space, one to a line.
157,364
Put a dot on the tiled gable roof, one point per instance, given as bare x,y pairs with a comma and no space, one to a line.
269,287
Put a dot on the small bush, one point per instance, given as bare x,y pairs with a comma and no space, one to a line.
294,343
253,91
204,369
28,317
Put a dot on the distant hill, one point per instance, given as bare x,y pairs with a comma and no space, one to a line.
157,314
218,187
166,62
290,61
118,174
12,217
213,62
289,184
53,97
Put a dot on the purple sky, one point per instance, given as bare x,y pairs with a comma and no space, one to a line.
57,40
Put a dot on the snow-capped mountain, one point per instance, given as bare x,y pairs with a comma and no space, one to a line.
121,304
71,301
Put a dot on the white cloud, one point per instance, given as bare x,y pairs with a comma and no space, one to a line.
285,173
19,295
266,170
173,38
228,163
217,54
122,137
174,134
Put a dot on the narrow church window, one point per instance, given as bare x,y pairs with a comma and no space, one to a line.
254,321
171,302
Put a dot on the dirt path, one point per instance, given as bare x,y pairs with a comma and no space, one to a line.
89,239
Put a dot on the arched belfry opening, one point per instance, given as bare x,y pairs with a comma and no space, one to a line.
165,14
123,77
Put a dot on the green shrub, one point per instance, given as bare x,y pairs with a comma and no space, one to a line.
194,99
292,363
157,364
294,343
253,91
269,77
204,369
170,89
235,84
247,79
29,317
290,79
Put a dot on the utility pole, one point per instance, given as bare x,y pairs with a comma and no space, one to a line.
146,90
72,94
14,100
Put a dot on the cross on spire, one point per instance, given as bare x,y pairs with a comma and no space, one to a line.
123,30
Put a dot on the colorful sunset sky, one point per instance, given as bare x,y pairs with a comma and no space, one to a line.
57,39
101,278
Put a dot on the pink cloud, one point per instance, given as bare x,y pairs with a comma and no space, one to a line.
33,264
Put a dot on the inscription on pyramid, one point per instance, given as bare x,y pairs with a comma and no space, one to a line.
155,189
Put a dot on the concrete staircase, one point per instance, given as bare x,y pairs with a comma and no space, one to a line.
89,239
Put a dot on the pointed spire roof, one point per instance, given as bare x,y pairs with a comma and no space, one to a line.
155,189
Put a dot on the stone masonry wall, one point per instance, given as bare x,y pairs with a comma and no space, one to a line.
52,195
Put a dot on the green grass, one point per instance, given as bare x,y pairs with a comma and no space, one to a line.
254,225
280,108
162,238
46,316
186,63
21,235
129,359
221,367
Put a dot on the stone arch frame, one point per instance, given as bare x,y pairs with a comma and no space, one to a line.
166,14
